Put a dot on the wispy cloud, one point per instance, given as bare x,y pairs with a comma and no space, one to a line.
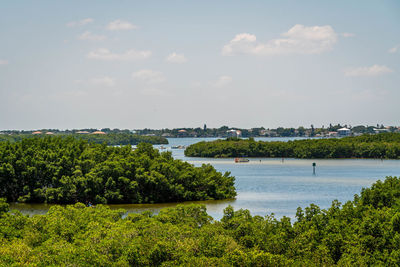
118,25
3,62
394,49
91,37
298,40
103,81
149,76
176,58
347,34
374,70
130,55
222,81
80,22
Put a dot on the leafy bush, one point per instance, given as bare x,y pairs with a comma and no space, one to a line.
67,170
384,145
111,139
358,233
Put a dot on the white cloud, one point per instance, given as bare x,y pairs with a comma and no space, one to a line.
80,22
176,58
105,54
222,81
149,76
103,81
394,49
374,70
347,34
3,62
118,25
298,40
91,37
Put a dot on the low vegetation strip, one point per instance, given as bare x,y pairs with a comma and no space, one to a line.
362,232
111,139
385,145
68,170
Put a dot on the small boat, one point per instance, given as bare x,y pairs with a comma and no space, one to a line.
240,160
178,147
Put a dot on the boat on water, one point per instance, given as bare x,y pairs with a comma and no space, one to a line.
178,147
241,160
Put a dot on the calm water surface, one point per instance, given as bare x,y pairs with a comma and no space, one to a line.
266,186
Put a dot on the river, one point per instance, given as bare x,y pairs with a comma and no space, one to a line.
266,186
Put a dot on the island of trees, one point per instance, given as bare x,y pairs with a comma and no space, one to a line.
362,232
384,145
98,137
69,170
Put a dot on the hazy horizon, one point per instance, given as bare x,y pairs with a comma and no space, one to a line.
200,126
171,64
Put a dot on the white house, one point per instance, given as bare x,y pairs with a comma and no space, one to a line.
344,132
384,130
234,133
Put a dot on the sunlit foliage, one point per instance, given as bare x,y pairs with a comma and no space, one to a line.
362,232
67,170
111,139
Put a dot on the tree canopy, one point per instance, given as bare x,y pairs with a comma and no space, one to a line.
384,145
112,139
69,170
362,232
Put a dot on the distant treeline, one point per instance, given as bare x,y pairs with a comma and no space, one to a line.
225,131
362,232
385,145
68,170
110,139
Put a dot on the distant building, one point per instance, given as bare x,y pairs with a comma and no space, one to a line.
332,134
344,132
193,134
263,132
37,132
82,132
98,132
49,133
384,130
182,133
234,133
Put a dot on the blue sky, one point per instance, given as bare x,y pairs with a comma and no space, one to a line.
158,64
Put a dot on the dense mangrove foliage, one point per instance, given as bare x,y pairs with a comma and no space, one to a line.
68,170
362,232
111,139
385,145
